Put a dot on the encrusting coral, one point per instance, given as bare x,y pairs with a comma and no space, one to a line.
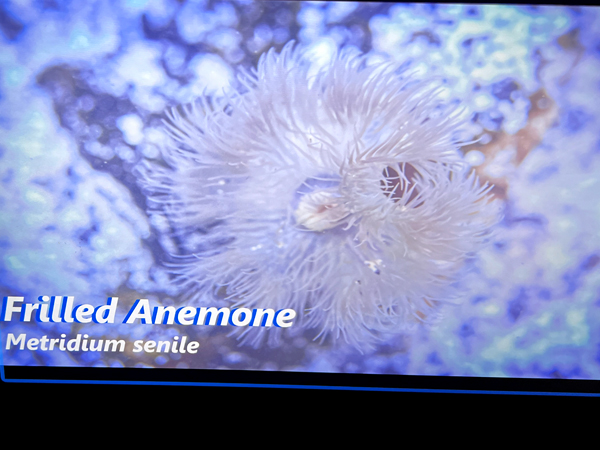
339,193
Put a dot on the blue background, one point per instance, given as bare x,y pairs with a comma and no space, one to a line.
83,87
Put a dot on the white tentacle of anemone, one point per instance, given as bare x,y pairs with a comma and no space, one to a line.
341,195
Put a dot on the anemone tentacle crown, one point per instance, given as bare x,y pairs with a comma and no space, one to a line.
339,193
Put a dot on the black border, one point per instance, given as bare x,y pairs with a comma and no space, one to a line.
301,380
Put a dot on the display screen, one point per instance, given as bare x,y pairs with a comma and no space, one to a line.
340,194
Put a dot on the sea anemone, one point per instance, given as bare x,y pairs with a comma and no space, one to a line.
338,192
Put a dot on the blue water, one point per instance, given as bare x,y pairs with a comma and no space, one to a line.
83,88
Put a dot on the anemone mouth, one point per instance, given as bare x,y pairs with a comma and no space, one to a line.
320,210
317,204
400,183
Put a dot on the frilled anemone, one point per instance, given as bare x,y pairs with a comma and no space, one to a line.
340,194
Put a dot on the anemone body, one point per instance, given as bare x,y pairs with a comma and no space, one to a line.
340,194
